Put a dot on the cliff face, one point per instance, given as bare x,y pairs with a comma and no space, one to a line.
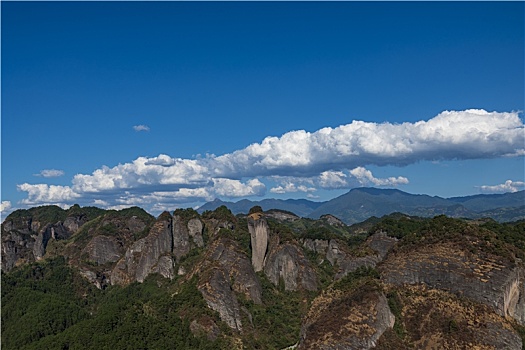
436,319
25,238
225,271
144,256
287,262
258,228
487,279
336,321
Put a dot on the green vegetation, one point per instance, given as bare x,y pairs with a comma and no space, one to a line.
277,322
396,307
186,214
222,213
48,306
255,209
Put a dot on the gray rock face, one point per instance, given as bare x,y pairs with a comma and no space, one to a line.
333,254
39,248
73,223
281,215
332,220
444,266
288,262
195,228
380,243
338,323
103,249
181,238
224,271
219,296
17,248
258,228
143,257
319,246
164,267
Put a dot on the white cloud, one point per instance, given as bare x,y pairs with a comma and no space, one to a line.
5,206
141,127
301,161
470,134
50,173
365,177
235,188
100,203
144,172
508,186
43,193
333,179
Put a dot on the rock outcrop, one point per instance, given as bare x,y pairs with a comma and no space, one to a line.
226,270
288,262
488,279
436,319
103,249
143,257
259,232
336,321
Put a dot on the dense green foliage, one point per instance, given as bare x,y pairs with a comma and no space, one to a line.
222,213
277,322
48,306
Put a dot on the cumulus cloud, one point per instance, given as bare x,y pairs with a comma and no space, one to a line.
43,193
5,206
508,186
235,188
365,177
141,127
50,173
332,180
330,158
470,134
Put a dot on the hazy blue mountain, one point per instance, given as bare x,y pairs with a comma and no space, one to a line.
484,202
360,204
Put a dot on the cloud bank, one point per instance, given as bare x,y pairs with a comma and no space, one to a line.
508,186
298,161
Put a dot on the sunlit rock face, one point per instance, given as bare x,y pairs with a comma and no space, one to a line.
287,262
259,232
142,258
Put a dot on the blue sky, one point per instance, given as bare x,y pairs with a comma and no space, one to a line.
171,104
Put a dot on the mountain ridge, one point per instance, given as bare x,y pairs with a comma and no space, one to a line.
361,203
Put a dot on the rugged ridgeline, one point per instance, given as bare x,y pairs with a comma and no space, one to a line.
90,278
360,204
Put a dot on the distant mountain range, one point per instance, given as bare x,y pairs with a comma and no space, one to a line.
360,204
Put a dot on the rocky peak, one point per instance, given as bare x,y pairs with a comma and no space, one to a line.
281,215
259,232
332,220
